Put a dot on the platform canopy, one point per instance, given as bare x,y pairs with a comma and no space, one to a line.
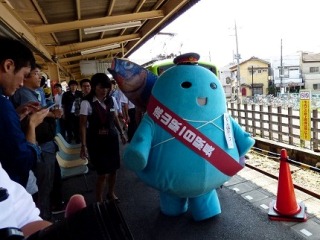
64,32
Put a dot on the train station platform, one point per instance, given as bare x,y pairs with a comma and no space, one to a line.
244,201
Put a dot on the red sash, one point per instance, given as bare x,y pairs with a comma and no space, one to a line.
192,138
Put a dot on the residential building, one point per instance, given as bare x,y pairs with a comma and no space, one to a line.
226,80
310,64
254,76
287,73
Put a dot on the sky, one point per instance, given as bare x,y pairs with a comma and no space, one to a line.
208,28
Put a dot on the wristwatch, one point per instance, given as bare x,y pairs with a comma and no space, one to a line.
11,233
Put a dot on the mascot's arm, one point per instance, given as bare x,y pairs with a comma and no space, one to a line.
137,152
243,139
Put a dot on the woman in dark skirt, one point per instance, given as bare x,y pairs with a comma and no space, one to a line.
99,126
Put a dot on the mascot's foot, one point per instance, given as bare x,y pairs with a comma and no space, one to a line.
172,206
205,206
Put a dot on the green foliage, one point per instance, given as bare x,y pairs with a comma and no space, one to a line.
272,90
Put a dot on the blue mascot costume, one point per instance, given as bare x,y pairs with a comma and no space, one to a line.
187,145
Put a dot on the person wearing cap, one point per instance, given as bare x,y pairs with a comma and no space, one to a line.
99,127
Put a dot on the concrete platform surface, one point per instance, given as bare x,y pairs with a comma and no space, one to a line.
244,201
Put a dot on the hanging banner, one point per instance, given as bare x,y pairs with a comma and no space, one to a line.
305,115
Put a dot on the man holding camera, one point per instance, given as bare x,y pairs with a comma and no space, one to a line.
19,151
47,170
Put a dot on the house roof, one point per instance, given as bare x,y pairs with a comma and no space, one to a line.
311,57
233,67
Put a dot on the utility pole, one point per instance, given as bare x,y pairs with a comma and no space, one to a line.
237,56
281,67
252,81
171,35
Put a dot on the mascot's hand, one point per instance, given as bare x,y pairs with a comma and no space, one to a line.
243,139
245,143
137,152
134,159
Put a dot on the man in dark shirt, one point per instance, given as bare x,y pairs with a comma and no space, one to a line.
71,108
85,85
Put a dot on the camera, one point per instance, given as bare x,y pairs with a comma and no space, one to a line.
98,221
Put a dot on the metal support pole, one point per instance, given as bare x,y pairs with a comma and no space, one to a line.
238,65
281,68
252,81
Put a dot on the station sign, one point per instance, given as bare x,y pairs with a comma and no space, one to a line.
305,115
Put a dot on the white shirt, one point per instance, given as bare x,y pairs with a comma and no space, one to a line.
58,99
32,186
124,99
18,209
117,94
86,108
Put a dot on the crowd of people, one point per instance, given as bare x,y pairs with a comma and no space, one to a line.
97,115
45,174
19,148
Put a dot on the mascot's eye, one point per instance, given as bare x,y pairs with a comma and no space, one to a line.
186,84
213,85
128,65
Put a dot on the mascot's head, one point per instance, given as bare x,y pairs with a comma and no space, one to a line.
190,90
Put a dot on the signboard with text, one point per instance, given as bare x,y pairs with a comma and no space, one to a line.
305,115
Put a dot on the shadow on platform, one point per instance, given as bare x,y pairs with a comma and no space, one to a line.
140,206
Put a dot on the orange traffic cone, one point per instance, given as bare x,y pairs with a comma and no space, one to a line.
286,208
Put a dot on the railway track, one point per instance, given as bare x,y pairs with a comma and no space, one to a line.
305,178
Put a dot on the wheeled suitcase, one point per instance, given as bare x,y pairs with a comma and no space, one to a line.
119,229
98,221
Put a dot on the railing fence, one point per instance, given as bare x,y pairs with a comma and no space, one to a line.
275,123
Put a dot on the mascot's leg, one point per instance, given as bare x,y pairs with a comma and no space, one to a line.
205,206
171,205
